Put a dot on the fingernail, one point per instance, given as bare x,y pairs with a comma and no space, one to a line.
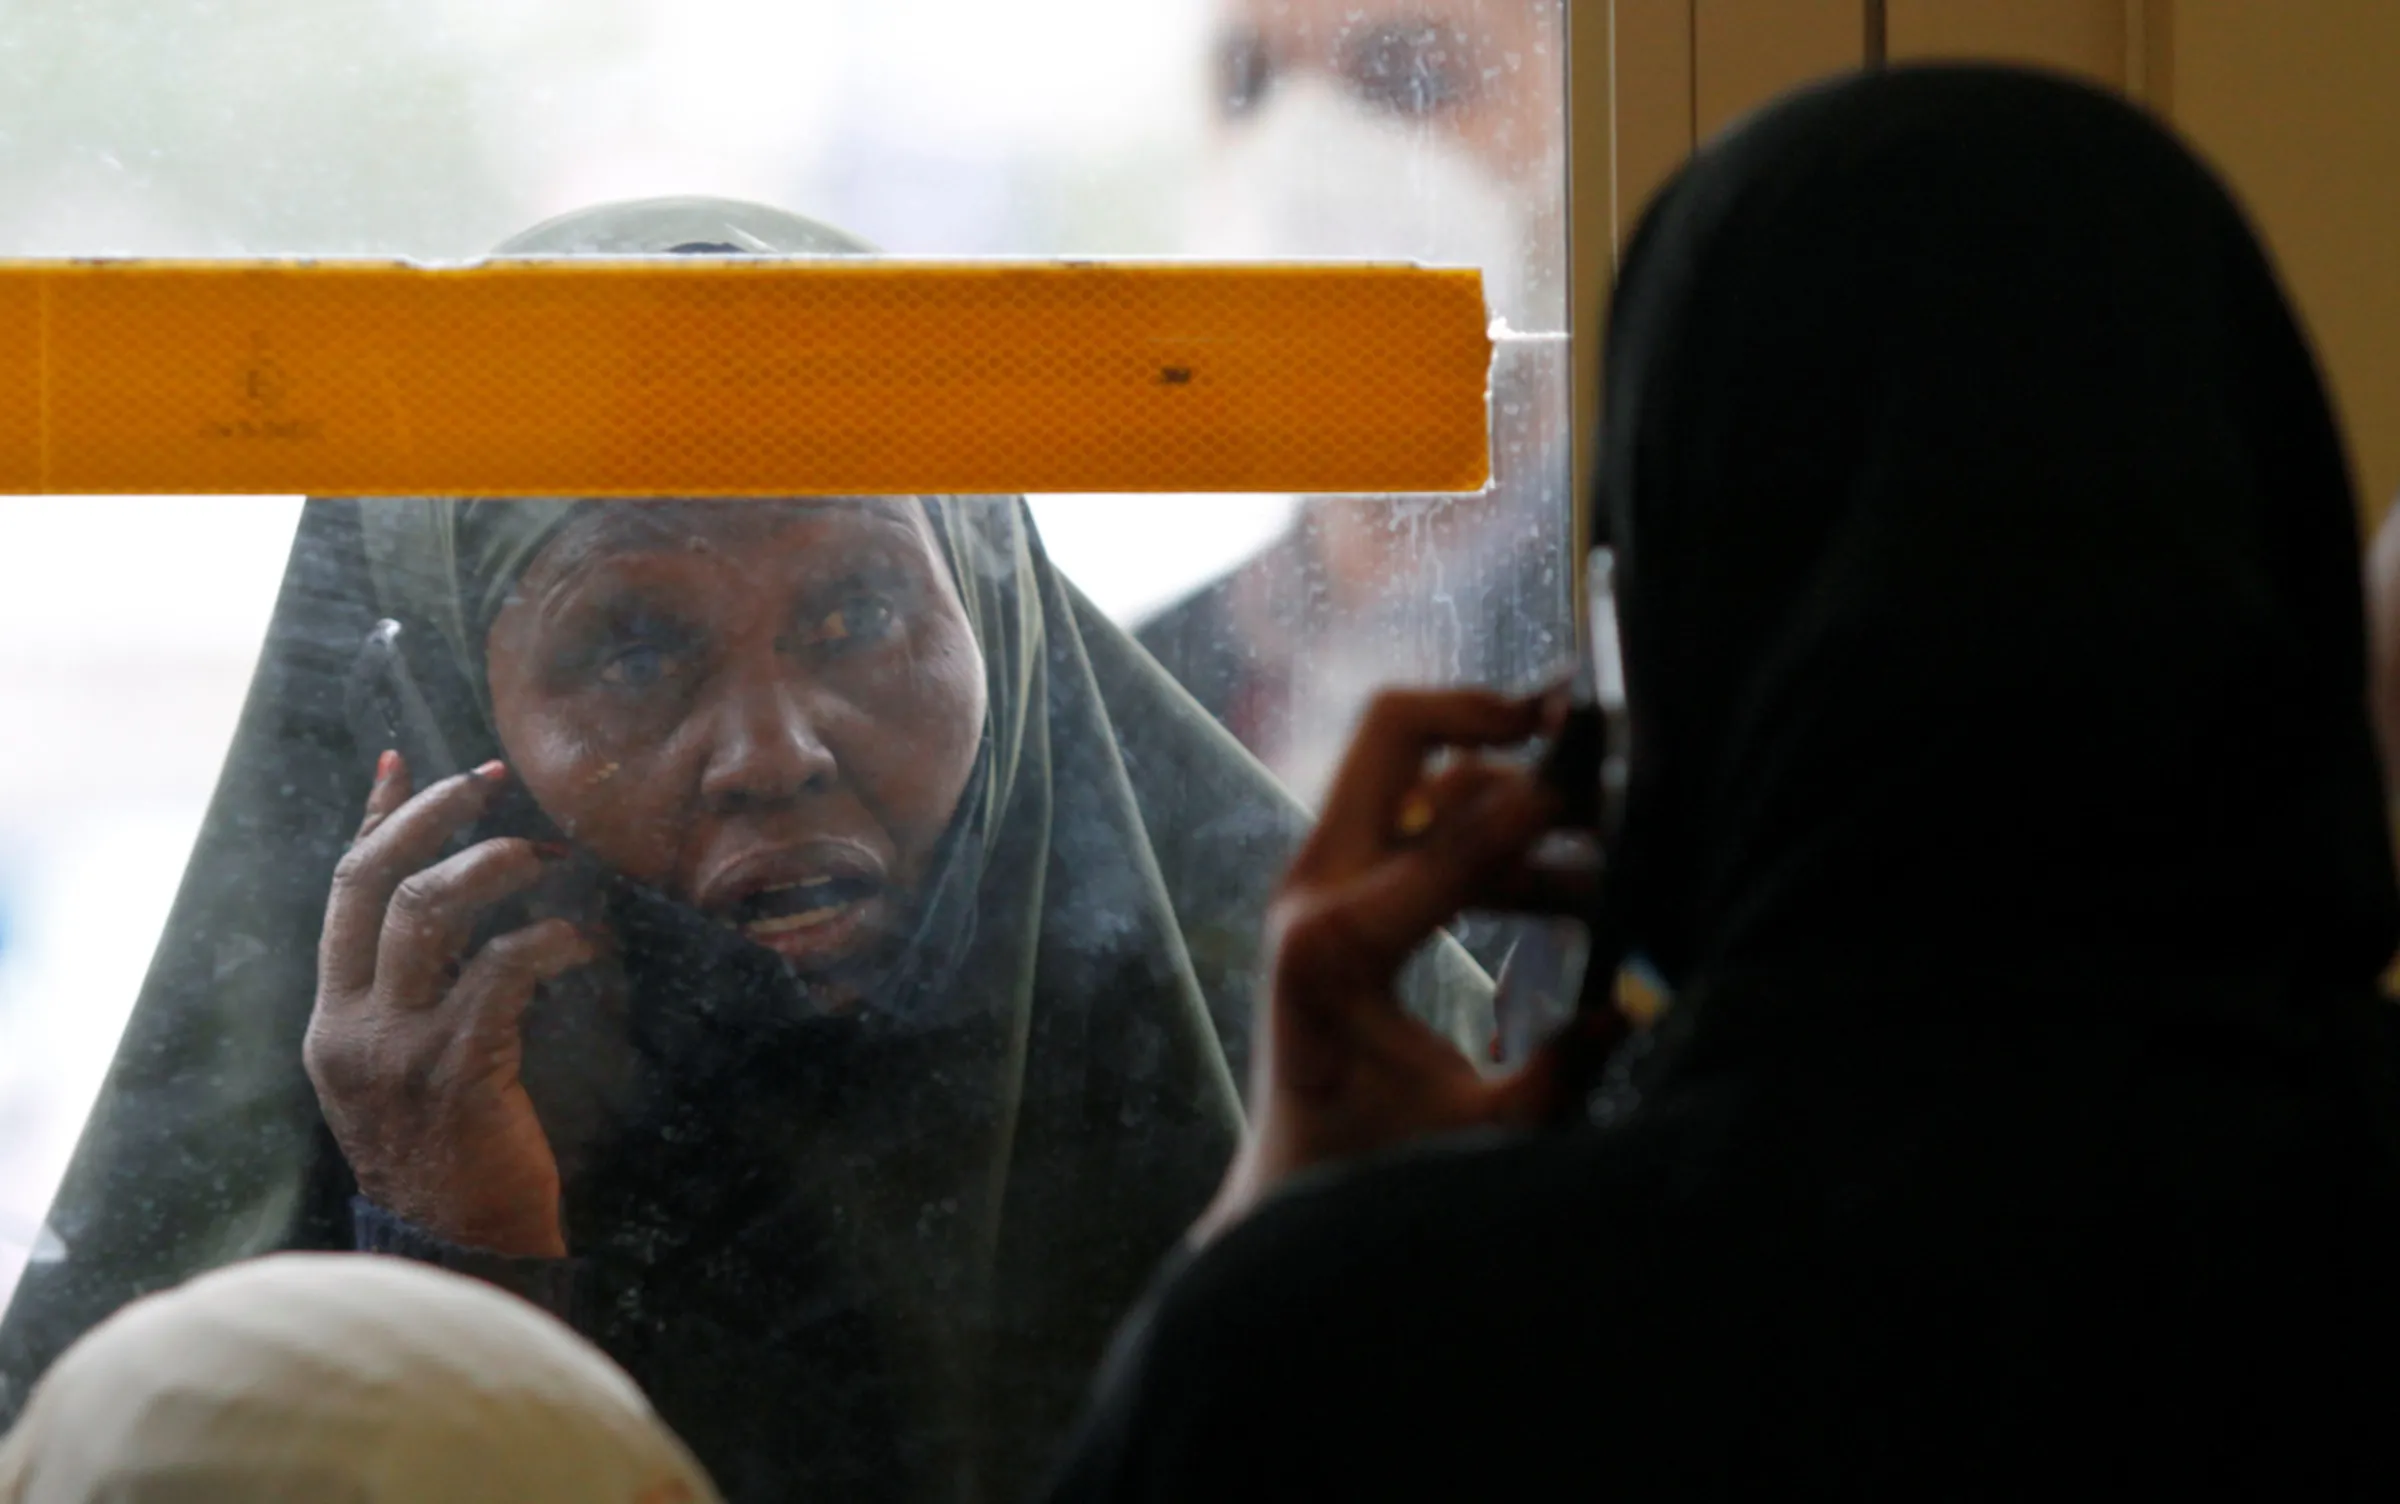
493,771
386,764
552,849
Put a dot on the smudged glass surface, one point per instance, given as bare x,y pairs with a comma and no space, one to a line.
920,843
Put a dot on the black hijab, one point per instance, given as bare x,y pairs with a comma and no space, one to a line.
2002,810
1987,561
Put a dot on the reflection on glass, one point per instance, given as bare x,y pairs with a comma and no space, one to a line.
868,1112
1393,129
836,1010
1432,130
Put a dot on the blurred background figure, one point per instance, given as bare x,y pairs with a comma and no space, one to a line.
1395,130
340,1380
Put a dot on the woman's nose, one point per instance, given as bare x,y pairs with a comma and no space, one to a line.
766,745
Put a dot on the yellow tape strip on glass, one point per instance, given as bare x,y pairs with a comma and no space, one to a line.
739,378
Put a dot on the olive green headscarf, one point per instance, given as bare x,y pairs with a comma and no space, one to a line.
846,1263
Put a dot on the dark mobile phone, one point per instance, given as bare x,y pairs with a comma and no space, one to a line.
388,711
1575,763
1562,967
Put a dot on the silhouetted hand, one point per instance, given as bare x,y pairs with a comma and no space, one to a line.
1343,1069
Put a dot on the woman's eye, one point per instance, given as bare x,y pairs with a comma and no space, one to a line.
637,667
859,618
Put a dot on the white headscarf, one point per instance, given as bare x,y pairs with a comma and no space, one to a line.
340,1379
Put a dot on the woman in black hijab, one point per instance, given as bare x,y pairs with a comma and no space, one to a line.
893,918
2003,813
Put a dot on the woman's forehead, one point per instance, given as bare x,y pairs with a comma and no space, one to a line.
604,530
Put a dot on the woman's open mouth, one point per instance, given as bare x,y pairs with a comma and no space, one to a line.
812,921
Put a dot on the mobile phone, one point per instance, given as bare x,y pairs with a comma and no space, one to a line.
1560,967
389,712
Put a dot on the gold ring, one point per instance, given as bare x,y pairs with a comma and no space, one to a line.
1416,816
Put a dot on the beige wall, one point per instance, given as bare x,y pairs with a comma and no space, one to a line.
2077,36
2296,101
1745,52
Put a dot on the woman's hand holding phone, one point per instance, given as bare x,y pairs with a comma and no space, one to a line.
1343,1070
414,1046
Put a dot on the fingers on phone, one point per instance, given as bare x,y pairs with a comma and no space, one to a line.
1557,892
433,913
1355,932
1431,810
1416,890
1386,760
397,844
1553,1085
497,984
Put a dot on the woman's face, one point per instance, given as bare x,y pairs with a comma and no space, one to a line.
768,710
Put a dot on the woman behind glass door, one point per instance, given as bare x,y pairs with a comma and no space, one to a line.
892,918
